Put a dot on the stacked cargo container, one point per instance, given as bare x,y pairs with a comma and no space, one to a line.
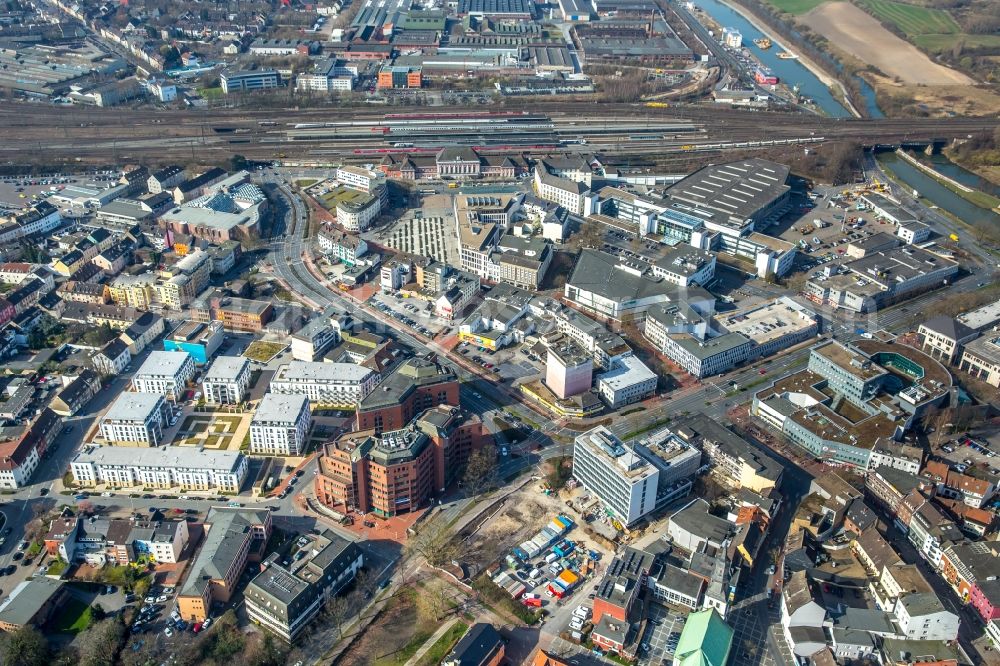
551,532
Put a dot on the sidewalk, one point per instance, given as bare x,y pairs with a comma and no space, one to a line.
429,643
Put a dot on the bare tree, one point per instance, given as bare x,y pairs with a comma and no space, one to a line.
433,601
366,582
100,643
336,610
481,471
435,544
936,422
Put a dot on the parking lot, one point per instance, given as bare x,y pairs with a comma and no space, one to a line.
971,455
660,638
416,314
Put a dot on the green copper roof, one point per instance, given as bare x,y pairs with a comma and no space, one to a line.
705,640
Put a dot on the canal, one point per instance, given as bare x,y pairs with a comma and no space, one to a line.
946,167
790,72
937,194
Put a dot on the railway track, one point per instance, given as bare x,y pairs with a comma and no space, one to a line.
92,134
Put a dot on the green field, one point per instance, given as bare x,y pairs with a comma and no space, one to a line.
795,6
940,43
912,20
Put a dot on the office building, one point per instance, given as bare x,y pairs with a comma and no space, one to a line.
165,372
982,318
328,76
280,426
227,381
981,358
287,595
736,338
415,385
171,467
422,459
569,370
401,76
632,481
943,338
334,384
135,418
617,289
853,396
685,266
628,380
200,340
882,278
249,81
573,195
234,537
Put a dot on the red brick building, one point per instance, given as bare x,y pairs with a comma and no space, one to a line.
398,471
416,385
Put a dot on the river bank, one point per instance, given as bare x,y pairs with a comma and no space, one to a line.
830,82
973,196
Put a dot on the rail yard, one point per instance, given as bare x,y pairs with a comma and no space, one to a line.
315,134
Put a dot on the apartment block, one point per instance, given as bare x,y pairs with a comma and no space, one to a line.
280,426
167,373
227,381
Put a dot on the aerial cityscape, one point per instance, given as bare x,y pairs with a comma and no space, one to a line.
500,333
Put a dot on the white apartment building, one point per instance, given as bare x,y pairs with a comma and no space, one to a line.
135,418
21,467
280,425
227,381
112,358
168,467
163,541
327,76
356,210
922,617
572,195
341,384
628,381
623,480
165,372
318,335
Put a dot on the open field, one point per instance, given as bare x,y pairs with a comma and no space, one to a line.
795,6
858,33
938,100
911,19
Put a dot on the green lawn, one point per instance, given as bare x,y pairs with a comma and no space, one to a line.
72,617
211,93
940,43
795,6
911,19
443,645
